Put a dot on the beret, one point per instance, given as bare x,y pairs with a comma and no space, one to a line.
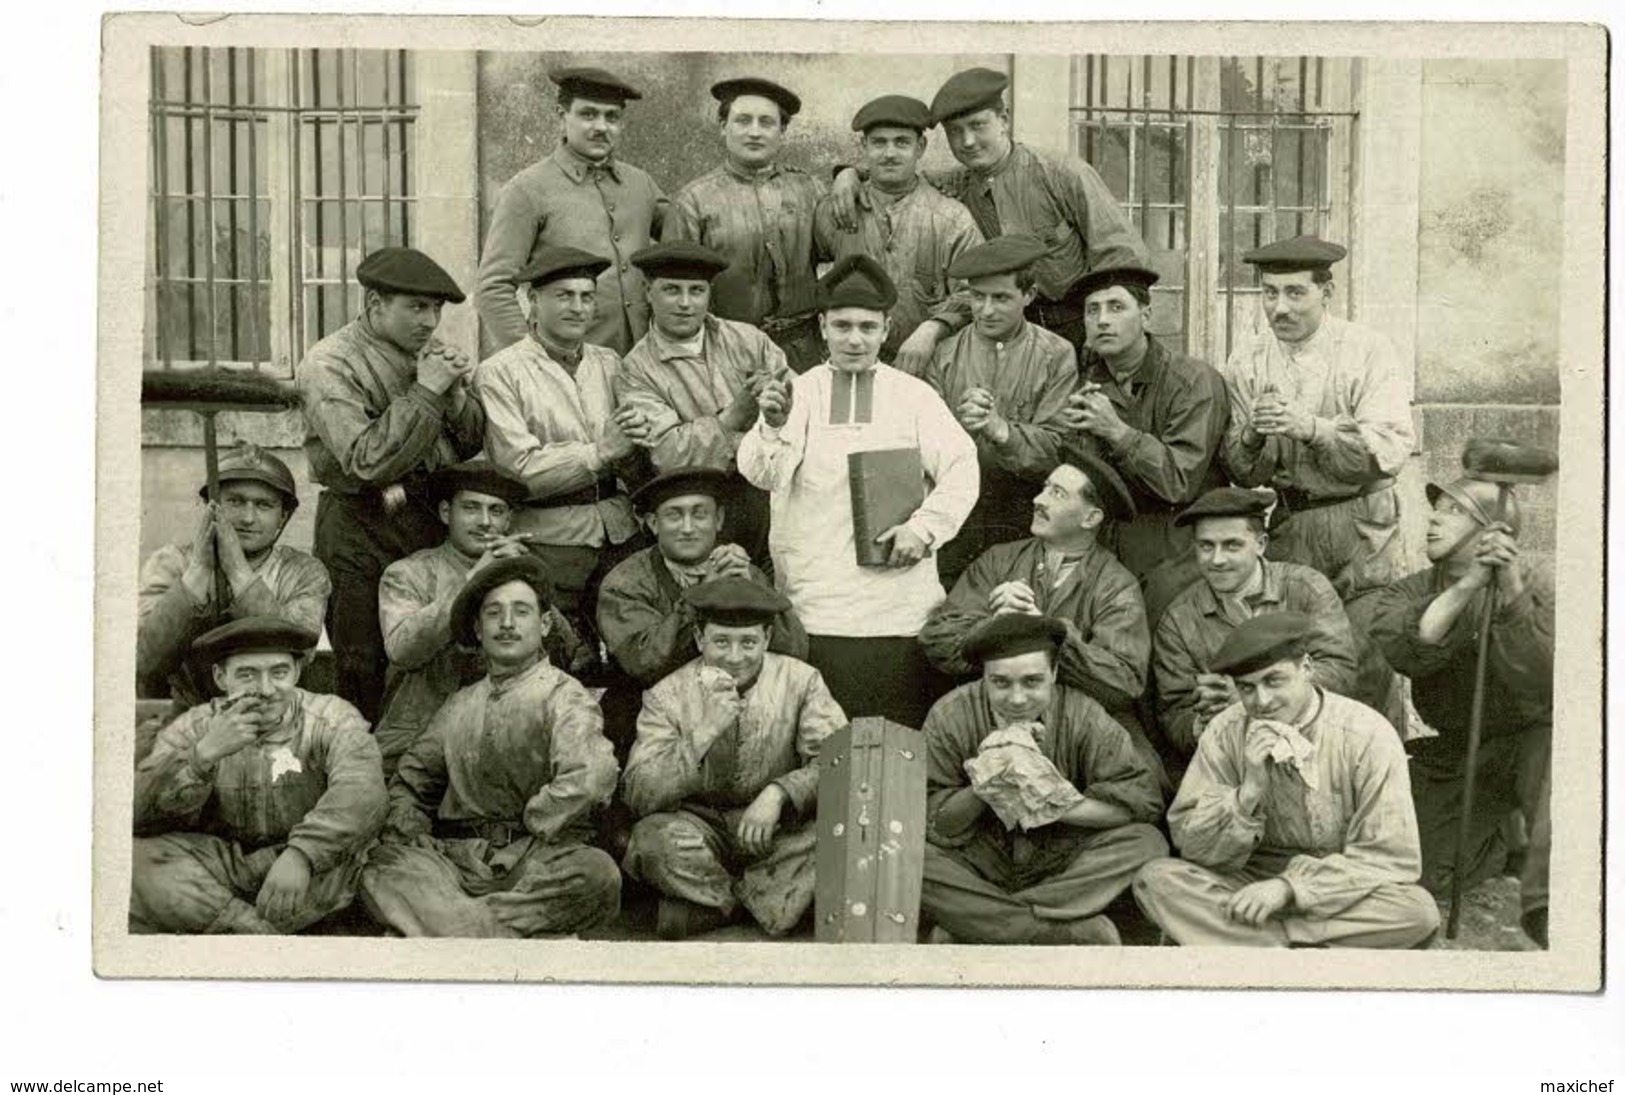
552,263
1002,255
480,477
1291,255
726,90
249,461
735,602
1104,277
1227,502
465,608
254,635
680,259
898,110
679,482
1262,641
407,270
1012,634
595,83
1113,493
973,89
856,281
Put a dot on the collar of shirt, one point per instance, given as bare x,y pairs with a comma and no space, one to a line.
885,199
670,349
502,686
396,355
750,174
685,574
292,721
1055,568
1023,332
578,168
1320,342
458,561
557,354
1144,376
1268,592
1016,151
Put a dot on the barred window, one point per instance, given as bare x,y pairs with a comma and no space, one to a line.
272,172
1213,156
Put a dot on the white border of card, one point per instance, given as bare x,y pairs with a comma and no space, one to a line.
1574,962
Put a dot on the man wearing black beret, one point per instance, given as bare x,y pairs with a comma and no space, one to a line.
757,212
552,421
490,811
724,773
1039,808
385,403
1012,189
1294,823
475,501
904,223
1007,381
1320,412
1236,584
695,376
1062,571
581,196
1156,416
254,811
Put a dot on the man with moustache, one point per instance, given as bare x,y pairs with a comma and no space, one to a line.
1007,382
1427,625
904,223
758,214
1320,413
552,423
724,773
1237,583
239,535
254,812
1012,189
385,403
1039,808
580,196
490,811
1294,824
476,502
695,377
1063,572
1156,416
862,621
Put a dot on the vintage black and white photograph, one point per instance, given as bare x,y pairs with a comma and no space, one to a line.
607,501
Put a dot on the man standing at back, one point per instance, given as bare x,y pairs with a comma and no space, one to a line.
385,404
904,223
1013,189
757,213
695,376
580,196
1319,412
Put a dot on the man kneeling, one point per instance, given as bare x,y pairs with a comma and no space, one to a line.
490,809
253,811
1039,808
1295,818
724,745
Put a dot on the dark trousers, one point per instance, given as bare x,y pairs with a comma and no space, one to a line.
576,572
1003,513
887,676
800,340
356,539
747,520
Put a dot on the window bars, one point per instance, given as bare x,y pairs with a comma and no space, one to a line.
272,173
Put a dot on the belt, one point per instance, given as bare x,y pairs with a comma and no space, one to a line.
1290,500
496,832
607,487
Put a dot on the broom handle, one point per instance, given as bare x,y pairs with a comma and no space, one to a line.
211,461
1475,728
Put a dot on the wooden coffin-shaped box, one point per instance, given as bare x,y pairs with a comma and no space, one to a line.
871,833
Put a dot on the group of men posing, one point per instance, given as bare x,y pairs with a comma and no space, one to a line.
595,602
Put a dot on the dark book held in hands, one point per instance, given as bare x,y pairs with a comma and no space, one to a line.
888,485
